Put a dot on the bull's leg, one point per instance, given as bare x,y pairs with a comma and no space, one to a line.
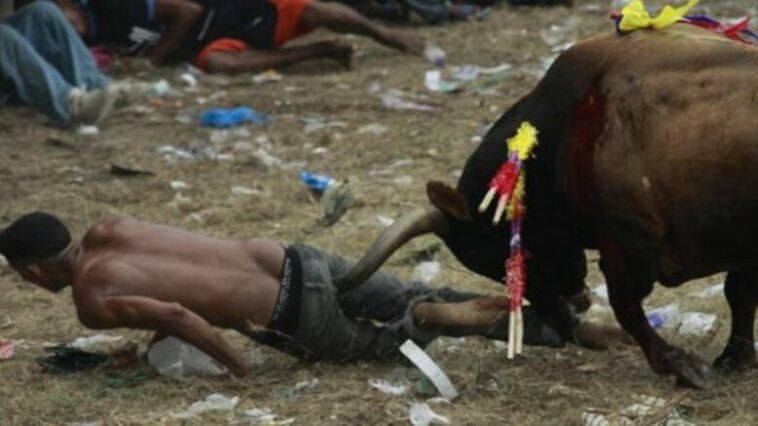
743,300
629,282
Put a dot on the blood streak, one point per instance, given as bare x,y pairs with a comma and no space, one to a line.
587,125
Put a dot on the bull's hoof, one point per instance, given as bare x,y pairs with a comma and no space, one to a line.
737,356
689,370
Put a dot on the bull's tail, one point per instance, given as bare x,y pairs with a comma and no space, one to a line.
418,222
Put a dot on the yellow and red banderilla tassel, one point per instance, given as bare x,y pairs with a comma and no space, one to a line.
509,183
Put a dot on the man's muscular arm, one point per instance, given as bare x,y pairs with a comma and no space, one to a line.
165,318
178,16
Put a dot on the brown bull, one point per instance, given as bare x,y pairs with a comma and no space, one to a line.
648,152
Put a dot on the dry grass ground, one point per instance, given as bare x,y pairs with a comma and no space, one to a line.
43,167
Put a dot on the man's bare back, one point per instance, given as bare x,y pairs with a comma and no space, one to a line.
230,283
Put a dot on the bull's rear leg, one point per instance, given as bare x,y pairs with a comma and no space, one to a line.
740,290
629,282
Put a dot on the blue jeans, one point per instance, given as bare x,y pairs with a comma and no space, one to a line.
42,58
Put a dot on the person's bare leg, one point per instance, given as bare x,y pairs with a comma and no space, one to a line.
342,19
259,60
479,312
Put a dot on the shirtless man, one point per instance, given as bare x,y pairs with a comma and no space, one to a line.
133,274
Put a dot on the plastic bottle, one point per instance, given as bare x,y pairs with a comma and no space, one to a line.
435,55
318,183
665,317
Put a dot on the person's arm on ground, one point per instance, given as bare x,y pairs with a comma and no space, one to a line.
258,60
342,19
178,17
165,318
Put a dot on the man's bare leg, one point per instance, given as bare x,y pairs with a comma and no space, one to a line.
342,19
479,312
259,60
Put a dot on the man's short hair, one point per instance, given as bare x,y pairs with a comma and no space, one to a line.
34,237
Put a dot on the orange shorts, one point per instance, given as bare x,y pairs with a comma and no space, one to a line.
287,28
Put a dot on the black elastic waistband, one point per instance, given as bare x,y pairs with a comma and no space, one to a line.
286,314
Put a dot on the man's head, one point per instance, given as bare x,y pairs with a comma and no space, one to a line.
35,245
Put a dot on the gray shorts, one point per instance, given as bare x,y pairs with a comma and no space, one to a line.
367,323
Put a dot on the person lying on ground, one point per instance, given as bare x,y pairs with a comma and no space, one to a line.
433,12
229,36
44,64
134,274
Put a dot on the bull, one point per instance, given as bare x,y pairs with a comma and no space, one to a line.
648,152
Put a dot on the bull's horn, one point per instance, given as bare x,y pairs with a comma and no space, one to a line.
418,222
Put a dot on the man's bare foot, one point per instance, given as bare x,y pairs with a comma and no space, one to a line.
601,336
479,312
338,52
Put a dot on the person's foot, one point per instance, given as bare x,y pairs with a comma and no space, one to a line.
338,52
601,336
91,107
479,312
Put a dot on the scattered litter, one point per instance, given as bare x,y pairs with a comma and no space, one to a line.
265,158
264,416
86,342
317,183
466,72
243,191
392,101
7,350
424,363
174,358
433,81
384,220
665,317
306,385
373,128
434,54
335,202
422,415
230,117
189,79
403,180
128,380
178,185
123,171
426,271
214,402
564,390
708,292
159,88
315,124
87,130
601,291
64,359
651,411
171,152
267,76
387,387
697,324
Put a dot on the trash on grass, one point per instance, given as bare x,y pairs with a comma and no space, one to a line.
159,88
189,79
373,128
421,414
87,130
123,171
393,101
178,185
230,117
434,82
601,291
335,201
636,414
7,349
426,271
434,54
65,359
86,342
387,387
384,220
708,292
697,324
214,402
424,363
174,358
317,183
665,317
267,76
